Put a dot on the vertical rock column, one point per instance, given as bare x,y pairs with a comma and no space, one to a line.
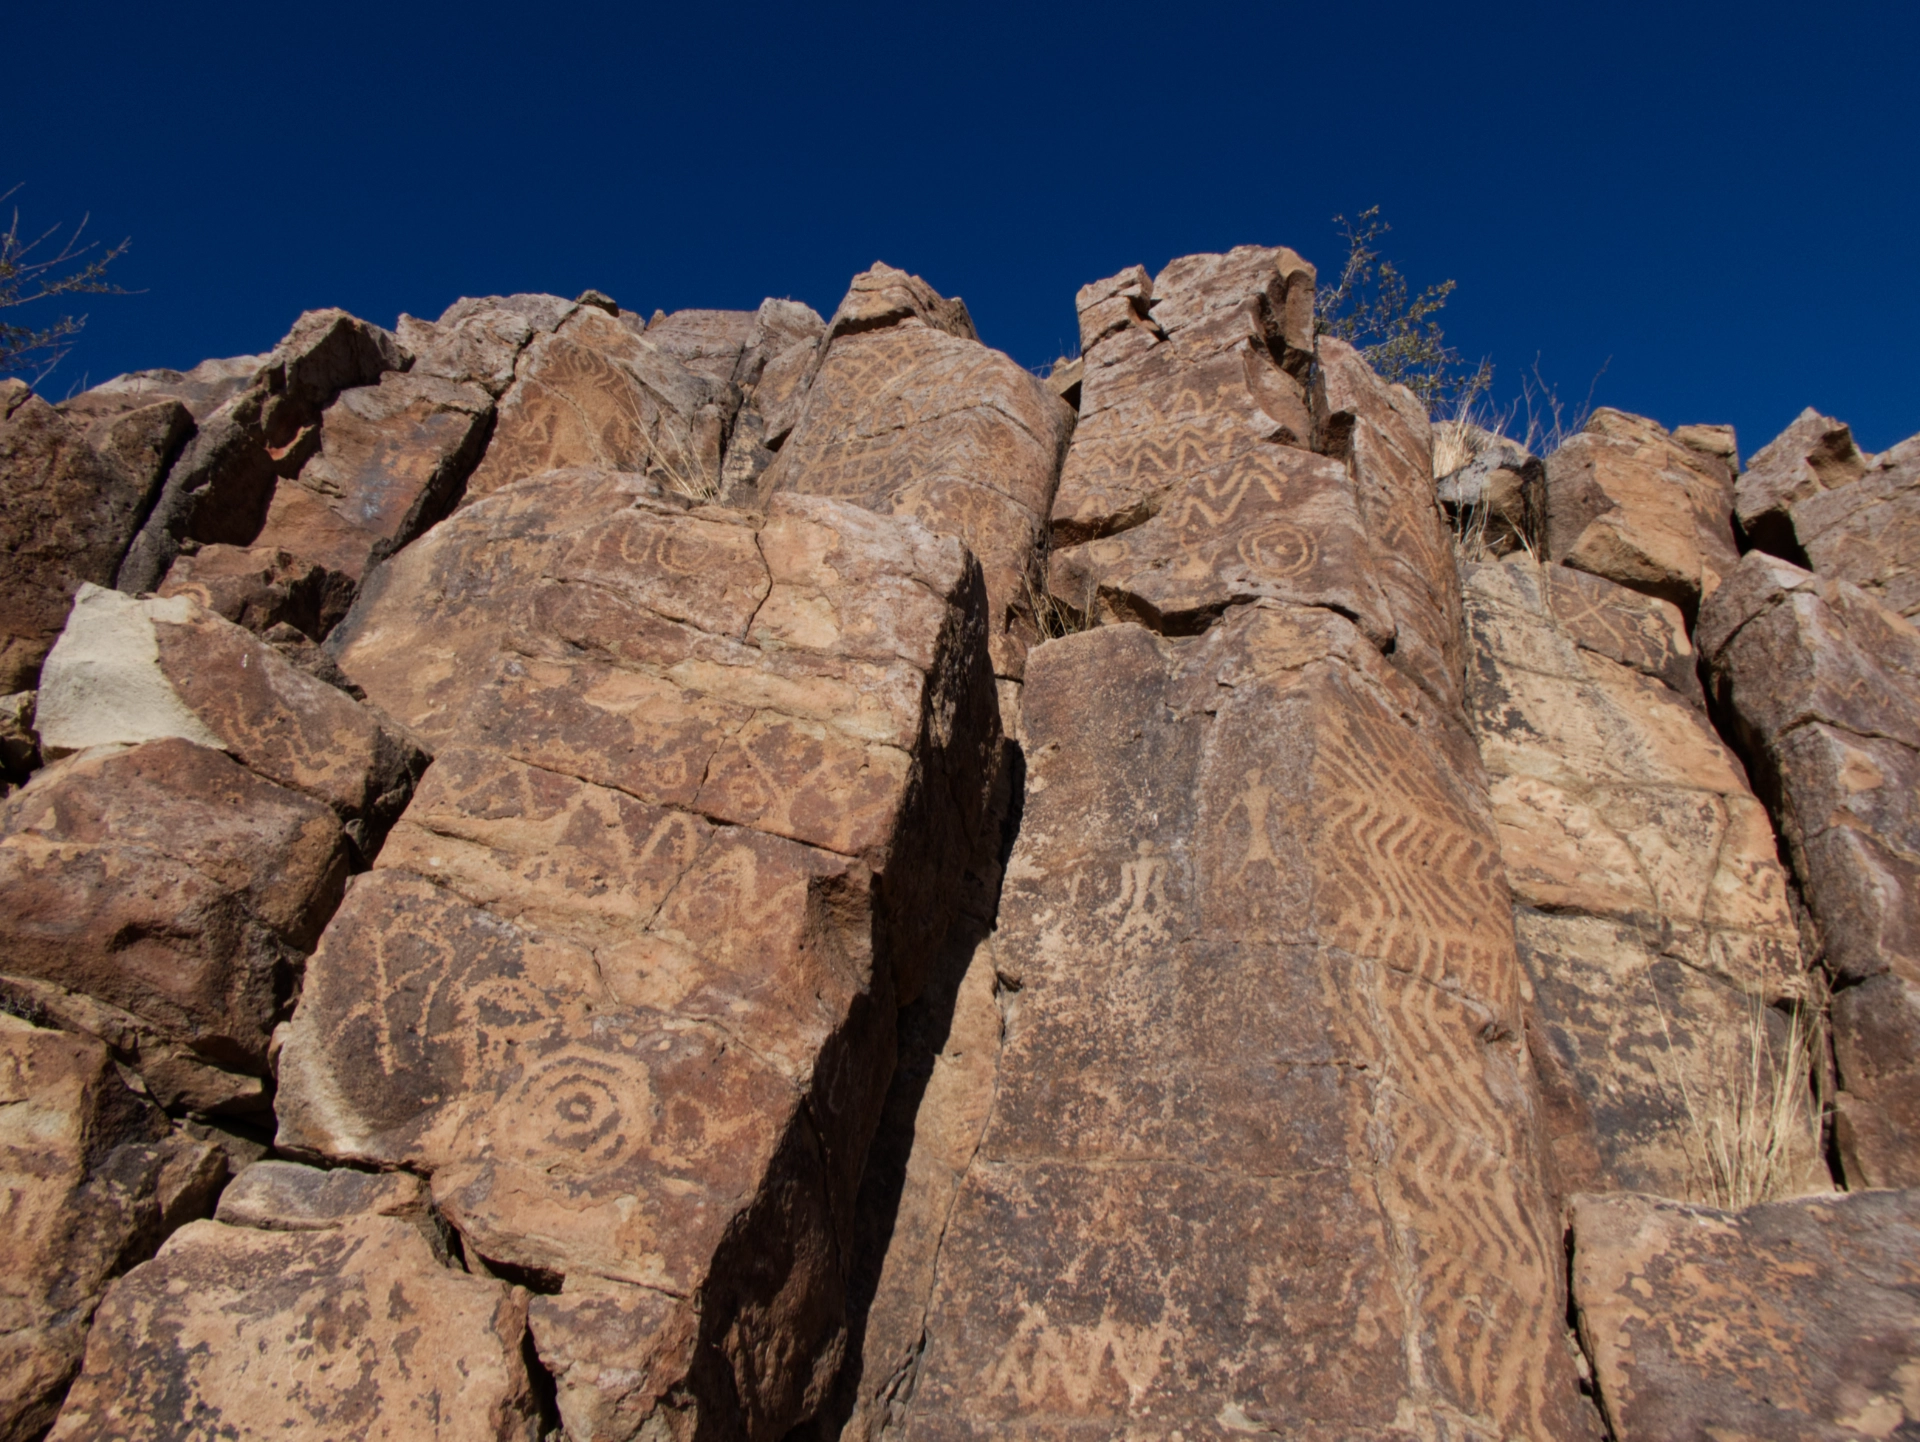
909,414
622,982
1650,904
1259,1151
1821,684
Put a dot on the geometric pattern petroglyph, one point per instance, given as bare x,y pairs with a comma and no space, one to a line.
1273,522
622,982
1260,1153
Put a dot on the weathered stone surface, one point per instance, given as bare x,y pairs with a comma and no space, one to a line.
479,348
1822,686
909,415
1791,1320
352,1331
596,393
281,1196
1275,522
260,587
219,489
1814,454
141,434
202,390
1261,999
777,362
1654,925
393,459
701,778
127,671
92,1178
1381,431
176,887
1184,374
1627,502
709,343
1496,496
67,516
1869,532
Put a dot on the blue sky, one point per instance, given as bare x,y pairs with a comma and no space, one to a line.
1719,204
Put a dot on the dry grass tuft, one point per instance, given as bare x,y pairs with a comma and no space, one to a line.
1054,618
1751,1135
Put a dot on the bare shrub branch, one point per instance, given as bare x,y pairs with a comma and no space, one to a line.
38,269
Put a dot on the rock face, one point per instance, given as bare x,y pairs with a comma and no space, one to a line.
92,1178
742,876
1789,1320
161,886
1257,982
355,1331
596,392
1651,909
1823,687
1631,503
220,488
909,415
700,777
67,514
1814,498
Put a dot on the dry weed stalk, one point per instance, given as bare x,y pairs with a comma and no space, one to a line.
1743,1133
1054,618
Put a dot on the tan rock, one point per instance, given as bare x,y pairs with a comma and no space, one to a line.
219,489
1652,912
703,776
202,390
1275,522
260,587
67,516
351,1331
1382,433
92,1178
1823,687
1787,1320
1868,532
709,343
1814,454
1496,494
478,348
910,415
596,393
393,459
128,671
1183,374
278,1196
173,885
1627,502
1210,1186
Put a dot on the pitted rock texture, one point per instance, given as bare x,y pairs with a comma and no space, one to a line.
92,1179
595,392
701,777
1651,908
1260,997
354,1331
1629,502
1822,685
909,415
1790,1320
